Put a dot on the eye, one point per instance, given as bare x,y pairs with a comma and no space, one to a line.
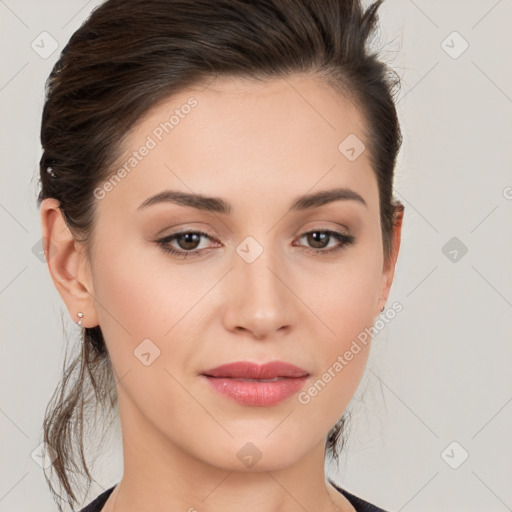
187,240
319,239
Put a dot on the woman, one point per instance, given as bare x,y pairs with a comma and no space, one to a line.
217,208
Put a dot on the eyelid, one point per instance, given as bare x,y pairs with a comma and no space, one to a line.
190,229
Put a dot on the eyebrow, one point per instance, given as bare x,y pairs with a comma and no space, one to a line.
218,205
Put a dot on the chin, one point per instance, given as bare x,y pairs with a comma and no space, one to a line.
245,455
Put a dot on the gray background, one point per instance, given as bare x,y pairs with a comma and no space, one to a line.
438,373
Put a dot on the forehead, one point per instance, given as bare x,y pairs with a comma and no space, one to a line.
273,139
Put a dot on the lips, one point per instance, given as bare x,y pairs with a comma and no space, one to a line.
256,385
252,371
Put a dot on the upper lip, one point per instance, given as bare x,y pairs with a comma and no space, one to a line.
249,370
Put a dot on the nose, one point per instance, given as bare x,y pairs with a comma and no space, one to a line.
259,300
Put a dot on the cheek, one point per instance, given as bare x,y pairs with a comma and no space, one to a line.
343,295
341,356
354,298
140,293
127,298
147,320
346,303
150,311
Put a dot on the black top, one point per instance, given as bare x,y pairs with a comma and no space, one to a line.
359,504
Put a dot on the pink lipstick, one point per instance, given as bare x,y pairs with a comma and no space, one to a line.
257,385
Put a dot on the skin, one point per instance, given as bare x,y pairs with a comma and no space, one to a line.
258,146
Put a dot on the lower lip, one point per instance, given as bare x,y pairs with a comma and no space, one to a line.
258,394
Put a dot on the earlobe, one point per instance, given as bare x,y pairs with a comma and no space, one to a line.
66,263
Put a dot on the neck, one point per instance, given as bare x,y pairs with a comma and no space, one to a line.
160,475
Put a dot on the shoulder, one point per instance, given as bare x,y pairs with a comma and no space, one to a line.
97,504
358,503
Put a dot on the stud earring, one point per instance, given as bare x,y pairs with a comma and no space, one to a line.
80,315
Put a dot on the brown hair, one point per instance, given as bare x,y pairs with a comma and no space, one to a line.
128,56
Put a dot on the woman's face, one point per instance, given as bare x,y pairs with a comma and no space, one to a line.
255,286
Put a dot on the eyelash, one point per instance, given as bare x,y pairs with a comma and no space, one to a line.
341,237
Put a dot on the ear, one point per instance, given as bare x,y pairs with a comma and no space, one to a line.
389,265
67,263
